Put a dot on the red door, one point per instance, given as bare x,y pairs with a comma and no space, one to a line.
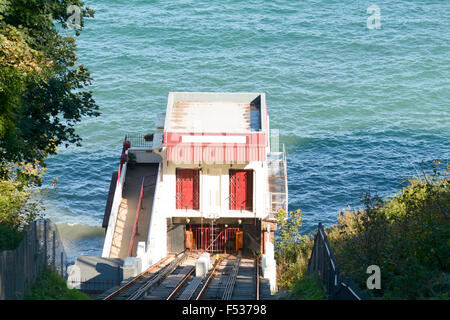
241,190
187,189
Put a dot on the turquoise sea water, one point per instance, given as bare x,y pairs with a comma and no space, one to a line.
357,108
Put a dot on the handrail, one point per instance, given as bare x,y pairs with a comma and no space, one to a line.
141,195
285,178
323,263
126,145
135,227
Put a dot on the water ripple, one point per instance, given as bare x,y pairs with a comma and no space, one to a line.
358,109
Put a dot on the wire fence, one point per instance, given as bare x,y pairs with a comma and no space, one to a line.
93,286
140,140
41,248
322,262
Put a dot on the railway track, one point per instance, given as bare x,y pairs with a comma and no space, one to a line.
173,278
230,278
136,287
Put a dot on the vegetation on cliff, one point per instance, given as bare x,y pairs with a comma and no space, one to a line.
42,97
407,236
51,286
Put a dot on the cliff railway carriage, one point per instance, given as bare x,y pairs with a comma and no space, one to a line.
207,180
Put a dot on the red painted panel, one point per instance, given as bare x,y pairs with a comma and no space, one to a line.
252,150
187,189
241,190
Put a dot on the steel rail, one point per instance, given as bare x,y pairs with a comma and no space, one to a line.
158,278
229,287
137,278
180,284
205,285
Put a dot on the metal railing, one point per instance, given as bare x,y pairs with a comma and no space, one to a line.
140,140
135,227
322,262
214,239
123,157
133,235
278,197
285,178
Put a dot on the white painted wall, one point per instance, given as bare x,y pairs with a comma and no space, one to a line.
214,191
114,212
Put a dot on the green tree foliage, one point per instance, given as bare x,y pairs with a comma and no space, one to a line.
42,97
18,207
42,89
288,230
292,249
407,236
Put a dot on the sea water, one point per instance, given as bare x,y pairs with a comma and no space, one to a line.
359,101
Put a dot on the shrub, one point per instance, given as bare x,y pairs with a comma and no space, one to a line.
18,207
309,288
51,286
407,236
292,249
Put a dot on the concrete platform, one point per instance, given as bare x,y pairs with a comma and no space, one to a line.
96,274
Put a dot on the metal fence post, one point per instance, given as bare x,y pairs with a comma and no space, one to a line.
35,251
45,243
62,264
322,262
54,251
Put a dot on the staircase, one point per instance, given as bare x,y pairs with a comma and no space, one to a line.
119,230
277,178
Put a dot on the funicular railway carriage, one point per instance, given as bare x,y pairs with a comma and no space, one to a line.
207,180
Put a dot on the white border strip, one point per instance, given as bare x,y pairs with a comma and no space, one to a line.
213,139
353,292
328,250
